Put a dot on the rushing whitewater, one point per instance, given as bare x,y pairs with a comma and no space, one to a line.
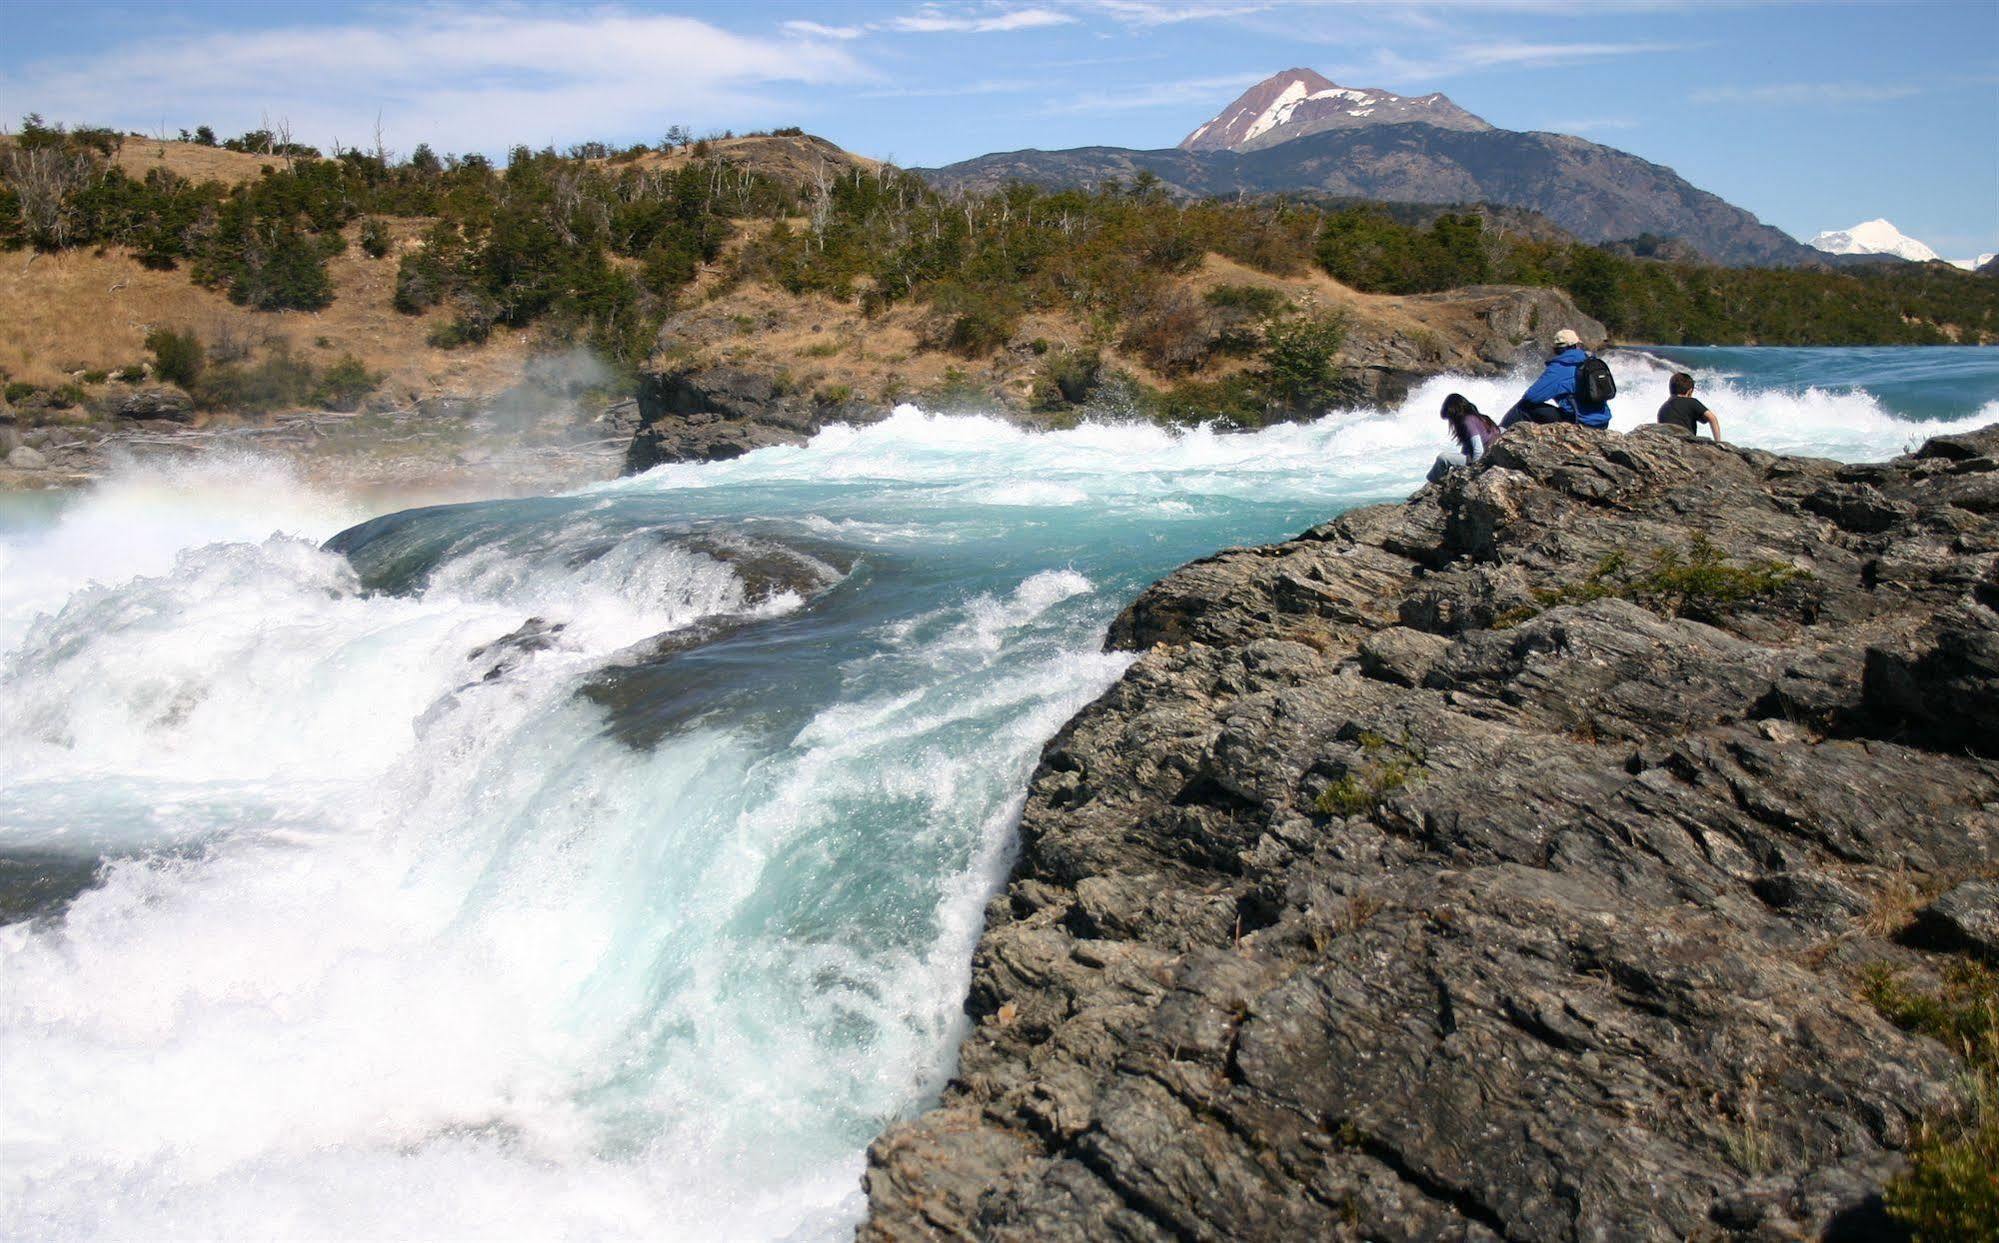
603,865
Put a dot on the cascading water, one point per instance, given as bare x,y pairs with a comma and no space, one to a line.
604,865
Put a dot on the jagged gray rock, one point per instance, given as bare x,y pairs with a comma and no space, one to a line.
153,401
1436,875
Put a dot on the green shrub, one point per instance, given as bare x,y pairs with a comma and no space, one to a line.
133,374
456,332
375,238
976,321
1385,767
177,356
1951,1188
96,377
18,391
343,385
278,382
1698,582
1301,372
1251,301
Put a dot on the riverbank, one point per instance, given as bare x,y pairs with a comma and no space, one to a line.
1513,862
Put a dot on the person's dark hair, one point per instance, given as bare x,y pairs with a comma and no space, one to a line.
1681,384
1459,412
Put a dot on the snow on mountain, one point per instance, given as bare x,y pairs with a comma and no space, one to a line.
1298,102
1873,237
1972,265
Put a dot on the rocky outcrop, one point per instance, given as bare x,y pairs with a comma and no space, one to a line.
1498,865
152,401
716,413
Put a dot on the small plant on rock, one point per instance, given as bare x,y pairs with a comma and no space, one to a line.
1951,1188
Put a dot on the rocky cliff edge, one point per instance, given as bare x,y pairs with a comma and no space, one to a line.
1502,864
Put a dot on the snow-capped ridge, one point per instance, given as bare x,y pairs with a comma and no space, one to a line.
1298,102
1874,237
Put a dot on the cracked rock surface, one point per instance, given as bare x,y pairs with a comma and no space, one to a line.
1403,890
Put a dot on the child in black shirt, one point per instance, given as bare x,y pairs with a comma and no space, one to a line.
1683,409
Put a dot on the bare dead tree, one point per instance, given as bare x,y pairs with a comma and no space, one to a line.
282,140
47,181
822,203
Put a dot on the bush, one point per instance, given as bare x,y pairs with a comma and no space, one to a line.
177,356
96,377
975,321
343,385
1951,1188
133,374
18,391
454,333
1697,582
375,239
1172,330
278,382
1249,301
1301,374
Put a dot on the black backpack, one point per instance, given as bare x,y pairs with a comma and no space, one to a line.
1594,383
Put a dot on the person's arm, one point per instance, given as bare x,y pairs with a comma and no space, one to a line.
1713,424
1551,384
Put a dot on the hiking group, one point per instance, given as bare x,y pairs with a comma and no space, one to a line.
1575,387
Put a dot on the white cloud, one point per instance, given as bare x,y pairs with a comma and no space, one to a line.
817,30
460,79
1172,12
1805,93
1463,58
931,19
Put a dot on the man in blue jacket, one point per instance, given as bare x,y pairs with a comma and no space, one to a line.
1553,398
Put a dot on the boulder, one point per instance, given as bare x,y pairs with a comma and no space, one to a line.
715,413
1966,918
151,401
22,457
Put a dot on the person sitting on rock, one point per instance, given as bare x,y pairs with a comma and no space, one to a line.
1553,398
1472,430
1684,410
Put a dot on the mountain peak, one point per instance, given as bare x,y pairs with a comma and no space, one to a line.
1873,237
1298,102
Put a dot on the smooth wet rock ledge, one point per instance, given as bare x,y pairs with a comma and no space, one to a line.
1502,864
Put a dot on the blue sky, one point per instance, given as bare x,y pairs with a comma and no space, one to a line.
1813,116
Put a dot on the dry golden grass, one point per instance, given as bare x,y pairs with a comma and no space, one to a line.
140,156
791,159
83,310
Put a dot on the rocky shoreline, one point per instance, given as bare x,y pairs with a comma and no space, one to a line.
477,445
1503,864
